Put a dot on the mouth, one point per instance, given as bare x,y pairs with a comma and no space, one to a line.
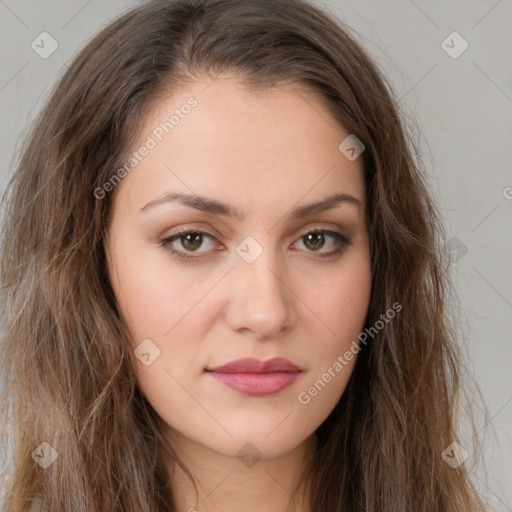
254,377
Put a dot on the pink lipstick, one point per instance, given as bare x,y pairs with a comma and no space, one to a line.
254,377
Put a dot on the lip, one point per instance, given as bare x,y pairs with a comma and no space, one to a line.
253,365
254,377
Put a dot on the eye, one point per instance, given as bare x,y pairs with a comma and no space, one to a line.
184,244
190,241
316,240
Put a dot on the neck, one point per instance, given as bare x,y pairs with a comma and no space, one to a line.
226,484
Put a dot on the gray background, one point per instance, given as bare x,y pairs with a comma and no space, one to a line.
463,107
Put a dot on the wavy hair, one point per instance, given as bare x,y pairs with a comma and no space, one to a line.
67,371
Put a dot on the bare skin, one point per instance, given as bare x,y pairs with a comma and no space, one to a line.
299,298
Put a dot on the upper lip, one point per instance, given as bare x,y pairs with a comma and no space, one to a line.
252,365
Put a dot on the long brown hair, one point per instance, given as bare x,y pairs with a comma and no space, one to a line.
66,366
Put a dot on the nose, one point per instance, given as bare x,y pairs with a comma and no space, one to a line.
262,301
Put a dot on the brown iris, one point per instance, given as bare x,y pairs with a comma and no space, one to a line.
192,241
317,240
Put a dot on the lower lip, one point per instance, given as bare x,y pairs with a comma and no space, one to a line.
256,384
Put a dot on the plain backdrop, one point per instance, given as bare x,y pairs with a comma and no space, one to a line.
458,90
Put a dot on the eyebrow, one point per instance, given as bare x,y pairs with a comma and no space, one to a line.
209,205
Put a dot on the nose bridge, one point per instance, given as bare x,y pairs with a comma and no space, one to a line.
262,301
261,274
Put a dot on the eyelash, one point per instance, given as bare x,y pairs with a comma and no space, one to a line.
338,237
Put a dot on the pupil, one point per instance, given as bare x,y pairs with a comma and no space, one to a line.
317,240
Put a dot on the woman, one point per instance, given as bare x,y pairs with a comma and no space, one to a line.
222,278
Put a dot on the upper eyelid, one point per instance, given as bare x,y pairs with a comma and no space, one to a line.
316,227
191,229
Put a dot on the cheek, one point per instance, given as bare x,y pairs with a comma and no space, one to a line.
349,304
341,308
340,303
152,298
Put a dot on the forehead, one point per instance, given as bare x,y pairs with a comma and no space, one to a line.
217,136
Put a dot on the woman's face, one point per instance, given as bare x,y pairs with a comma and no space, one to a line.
216,253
